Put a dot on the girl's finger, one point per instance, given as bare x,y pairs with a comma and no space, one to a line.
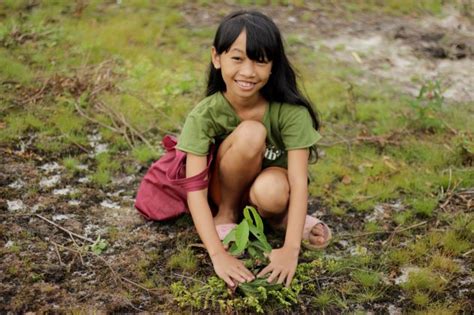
282,277
237,277
246,273
265,270
273,276
289,278
228,281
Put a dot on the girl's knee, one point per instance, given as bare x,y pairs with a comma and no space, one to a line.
251,135
270,193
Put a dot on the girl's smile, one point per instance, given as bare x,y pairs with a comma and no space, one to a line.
243,76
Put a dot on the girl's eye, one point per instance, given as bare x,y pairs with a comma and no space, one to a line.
237,58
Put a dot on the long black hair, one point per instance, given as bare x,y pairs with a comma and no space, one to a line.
263,43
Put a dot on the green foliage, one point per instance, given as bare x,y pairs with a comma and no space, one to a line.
426,107
424,280
367,279
252,224
424,207
99,246
184,260
144,154
71,164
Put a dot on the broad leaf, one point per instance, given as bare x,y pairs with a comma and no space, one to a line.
229,237
256,217
242,235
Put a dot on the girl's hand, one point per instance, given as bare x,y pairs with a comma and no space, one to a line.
283,262
230,269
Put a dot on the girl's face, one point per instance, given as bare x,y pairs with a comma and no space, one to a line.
243,76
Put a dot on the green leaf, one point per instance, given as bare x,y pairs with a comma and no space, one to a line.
247,215
229,237
242,235
256,217
261,238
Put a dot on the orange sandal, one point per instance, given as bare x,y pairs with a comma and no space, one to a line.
309,224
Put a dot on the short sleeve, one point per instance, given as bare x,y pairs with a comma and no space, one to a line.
196,134
297,130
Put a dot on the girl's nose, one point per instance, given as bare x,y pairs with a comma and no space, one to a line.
248,69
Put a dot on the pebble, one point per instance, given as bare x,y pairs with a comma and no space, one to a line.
49,167
50,182
17,184
15,205
110,204
405,272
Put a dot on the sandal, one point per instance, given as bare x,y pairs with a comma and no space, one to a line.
224,229
309,224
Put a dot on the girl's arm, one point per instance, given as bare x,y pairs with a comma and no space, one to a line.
283,261
226,266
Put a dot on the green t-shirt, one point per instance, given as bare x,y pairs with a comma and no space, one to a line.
213,119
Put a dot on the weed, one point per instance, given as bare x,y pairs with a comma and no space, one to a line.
424,280
99,246
367,279
71,164
454,245
101,177
144,154
323,299
426,107
184,260
424,207
444,264
420,299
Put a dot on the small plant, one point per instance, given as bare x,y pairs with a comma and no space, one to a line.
424,207
71,164
246,240
252,224
184,260
367,279
99,246
426,106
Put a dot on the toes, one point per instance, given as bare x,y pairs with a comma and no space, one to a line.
318,230
316,240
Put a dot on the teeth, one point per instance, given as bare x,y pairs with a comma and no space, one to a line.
245,84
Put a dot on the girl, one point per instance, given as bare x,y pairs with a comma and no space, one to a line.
265,131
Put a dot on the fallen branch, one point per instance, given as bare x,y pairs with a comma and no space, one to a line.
65,230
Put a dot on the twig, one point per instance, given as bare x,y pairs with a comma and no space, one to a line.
59,255
65,230
468,253
186,277
93,120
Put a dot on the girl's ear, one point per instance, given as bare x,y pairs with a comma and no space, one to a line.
216,58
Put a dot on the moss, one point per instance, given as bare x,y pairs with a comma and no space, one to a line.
424,280
368,279
184,260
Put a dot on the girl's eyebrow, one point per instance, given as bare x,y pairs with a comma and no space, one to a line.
239,50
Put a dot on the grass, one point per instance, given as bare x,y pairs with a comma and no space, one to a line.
131,83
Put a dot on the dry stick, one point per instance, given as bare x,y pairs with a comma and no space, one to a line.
117,278
114,117
383,232
65,230
59,255
468,252
138,134
93,120
185,277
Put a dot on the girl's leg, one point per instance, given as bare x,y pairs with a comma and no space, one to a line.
238,162
270,193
